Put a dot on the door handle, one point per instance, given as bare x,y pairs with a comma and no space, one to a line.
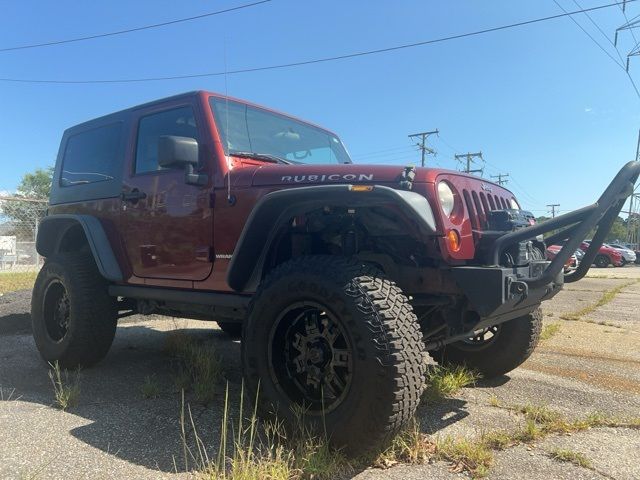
133,196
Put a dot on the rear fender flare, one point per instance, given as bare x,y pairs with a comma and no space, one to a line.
276,208
52,230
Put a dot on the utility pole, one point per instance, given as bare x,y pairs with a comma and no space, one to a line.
469,160
633,217
501,178
553,208
422,144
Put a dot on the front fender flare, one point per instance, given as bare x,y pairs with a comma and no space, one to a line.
276,208
51,231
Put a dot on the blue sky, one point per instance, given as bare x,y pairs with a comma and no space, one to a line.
541,102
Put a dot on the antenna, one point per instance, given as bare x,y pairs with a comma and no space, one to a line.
230,199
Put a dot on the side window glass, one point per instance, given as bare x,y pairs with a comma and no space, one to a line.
180,122
91,156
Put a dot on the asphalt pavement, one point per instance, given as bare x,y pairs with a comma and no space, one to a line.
592,364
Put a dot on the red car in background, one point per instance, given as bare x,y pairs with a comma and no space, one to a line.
606,255
571,263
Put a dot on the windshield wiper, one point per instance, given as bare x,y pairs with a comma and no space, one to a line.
261,156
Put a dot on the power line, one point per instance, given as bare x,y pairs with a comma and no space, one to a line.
131,30
317,60
621,65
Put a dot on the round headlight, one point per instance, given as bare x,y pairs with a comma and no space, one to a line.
447,200
514,204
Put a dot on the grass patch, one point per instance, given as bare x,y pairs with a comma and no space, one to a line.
13,281
66,388
549,331
254,450
411,446
445,381
474,457
606,297
570,456
150,388
199,367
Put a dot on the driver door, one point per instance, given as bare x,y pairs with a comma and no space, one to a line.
168,223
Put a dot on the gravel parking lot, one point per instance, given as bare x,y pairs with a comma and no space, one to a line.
591,364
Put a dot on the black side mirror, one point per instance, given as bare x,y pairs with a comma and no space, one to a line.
181,152
177,152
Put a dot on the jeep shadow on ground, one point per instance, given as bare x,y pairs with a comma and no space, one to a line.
147,431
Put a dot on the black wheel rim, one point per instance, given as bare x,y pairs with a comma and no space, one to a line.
56,311
310,357
482,338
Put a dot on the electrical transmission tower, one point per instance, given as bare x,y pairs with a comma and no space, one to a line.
422,144
553,206
501,178
468,159
630,25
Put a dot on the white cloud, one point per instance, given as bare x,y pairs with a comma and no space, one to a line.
588,109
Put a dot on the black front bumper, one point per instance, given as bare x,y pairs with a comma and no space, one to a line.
499,294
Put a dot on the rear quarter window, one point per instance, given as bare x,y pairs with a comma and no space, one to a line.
91,156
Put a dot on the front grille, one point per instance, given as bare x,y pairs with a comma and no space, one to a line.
479,203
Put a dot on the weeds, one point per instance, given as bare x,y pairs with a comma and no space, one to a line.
150,387
410,446
572,457
444,382
261,450
66,390
6,395
199,367
474,457
606,297
13,281
549,331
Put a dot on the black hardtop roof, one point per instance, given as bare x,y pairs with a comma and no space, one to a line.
120,114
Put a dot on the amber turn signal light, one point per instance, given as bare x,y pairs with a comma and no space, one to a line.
453,240
361,188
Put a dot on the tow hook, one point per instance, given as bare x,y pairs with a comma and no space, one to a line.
519,288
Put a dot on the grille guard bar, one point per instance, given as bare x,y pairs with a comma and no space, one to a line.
579,222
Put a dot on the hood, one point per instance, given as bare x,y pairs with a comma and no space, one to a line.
280,175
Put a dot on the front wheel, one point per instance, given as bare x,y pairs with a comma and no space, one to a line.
496,350
334,338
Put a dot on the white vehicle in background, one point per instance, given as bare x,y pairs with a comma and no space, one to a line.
628,255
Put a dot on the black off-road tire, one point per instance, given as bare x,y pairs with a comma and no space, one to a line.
232,329
389,359
515,342
601,261
91,312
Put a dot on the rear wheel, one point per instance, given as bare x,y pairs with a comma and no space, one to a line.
73,317
335,338
601,261
496,350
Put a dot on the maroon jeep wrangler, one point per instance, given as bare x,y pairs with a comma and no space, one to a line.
340,278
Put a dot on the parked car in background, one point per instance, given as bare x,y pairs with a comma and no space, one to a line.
606,255
628,255
571,264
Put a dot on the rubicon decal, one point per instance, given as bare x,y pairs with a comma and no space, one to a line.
333,177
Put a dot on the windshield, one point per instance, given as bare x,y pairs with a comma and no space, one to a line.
249,130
